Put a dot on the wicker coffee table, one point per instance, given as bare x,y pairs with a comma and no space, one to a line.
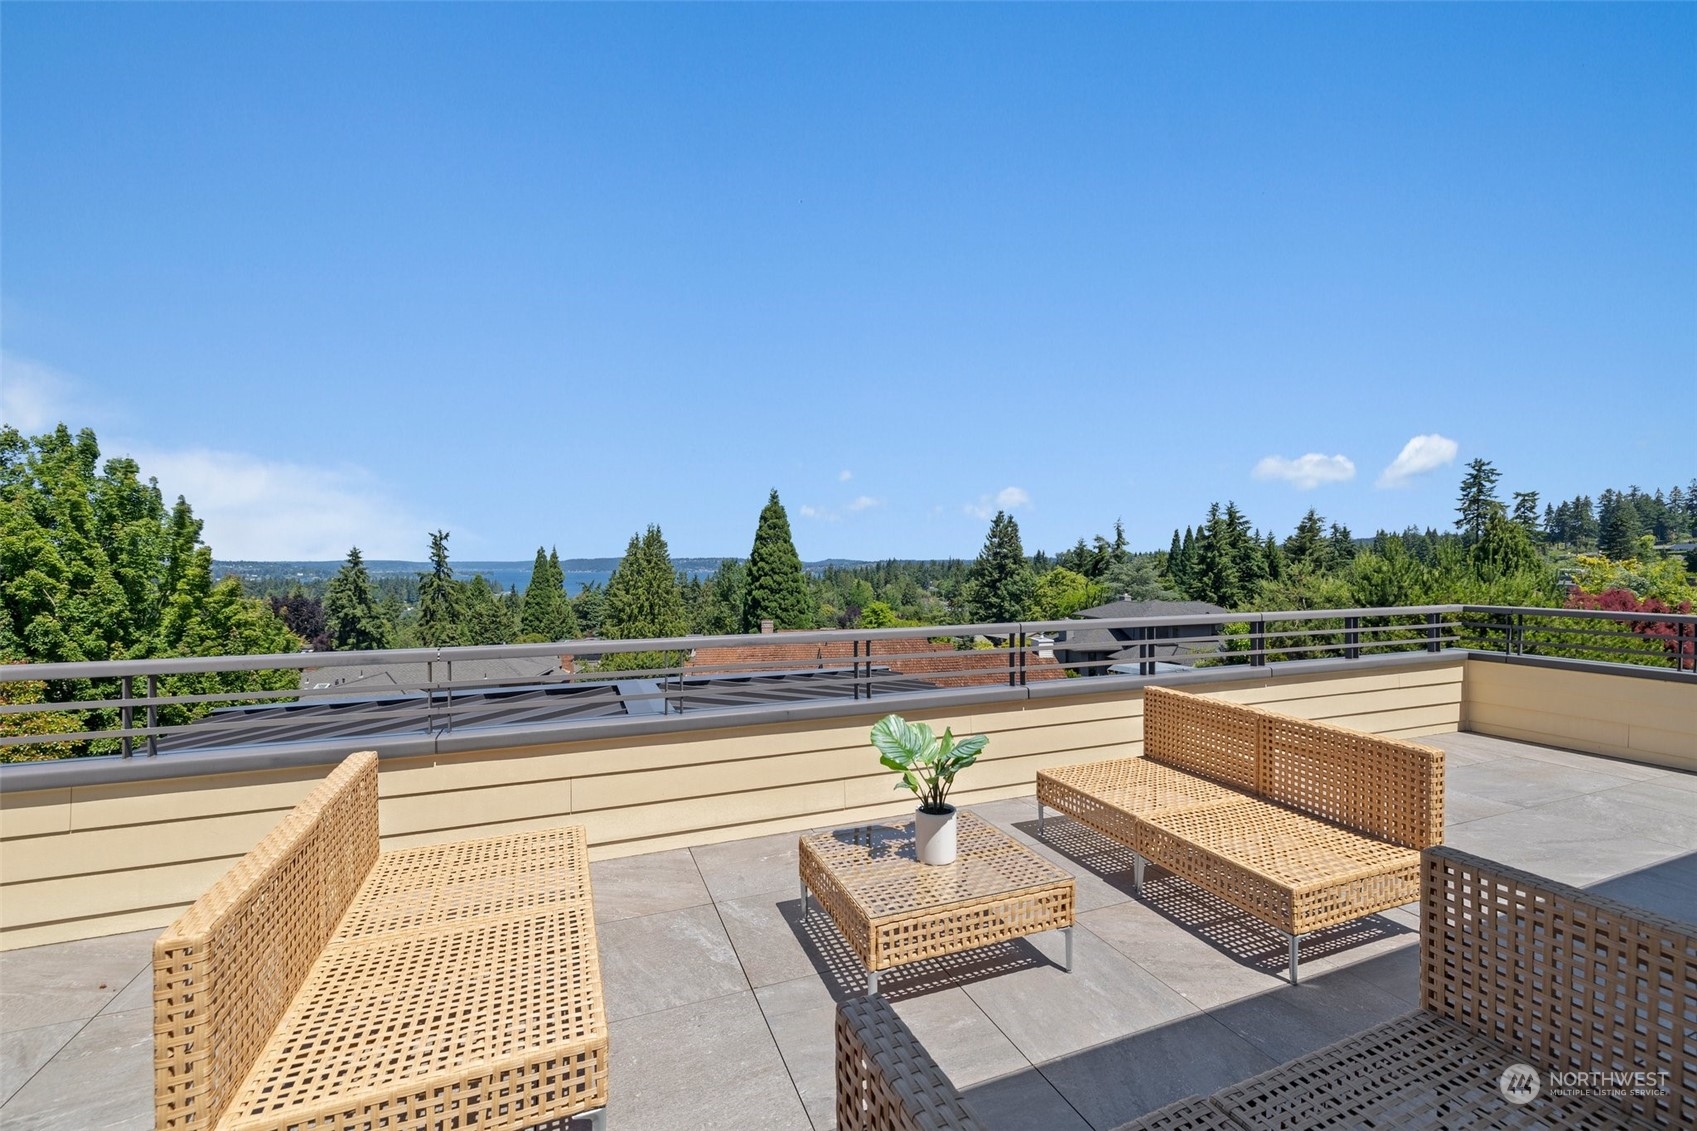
894,910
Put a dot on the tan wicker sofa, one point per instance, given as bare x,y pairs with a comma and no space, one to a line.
323,984
1302,825
1516,972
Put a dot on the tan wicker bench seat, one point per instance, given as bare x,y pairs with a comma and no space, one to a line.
1516,970
1297,872
1106,796
321,984
1301,824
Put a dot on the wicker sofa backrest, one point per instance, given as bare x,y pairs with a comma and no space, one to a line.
1383,787
225,971
1212,738
1569,980
886,1081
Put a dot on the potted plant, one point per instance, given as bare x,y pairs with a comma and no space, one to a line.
928,765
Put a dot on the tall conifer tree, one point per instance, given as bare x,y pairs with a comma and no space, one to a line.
1000,585
351,615
439,606
775,588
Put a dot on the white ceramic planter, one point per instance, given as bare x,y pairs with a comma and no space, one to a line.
934,836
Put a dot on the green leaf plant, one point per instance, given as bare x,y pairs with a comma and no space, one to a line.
927,763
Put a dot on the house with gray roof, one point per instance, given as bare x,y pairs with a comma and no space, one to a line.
1119,649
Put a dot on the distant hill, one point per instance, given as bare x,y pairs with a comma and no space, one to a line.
503,574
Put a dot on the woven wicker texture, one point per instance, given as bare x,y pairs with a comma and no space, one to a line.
1383,787
1289,870
1417,1071
440,884
886,1081
1193,1114
1568,980
499,1018
1107,796
224,972
893,910
1210,737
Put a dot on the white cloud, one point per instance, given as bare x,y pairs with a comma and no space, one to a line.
1007,499
864,502
35,397
1418,456
1306,471
844,475
266,510
819,514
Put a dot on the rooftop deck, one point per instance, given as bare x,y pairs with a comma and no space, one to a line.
721,1000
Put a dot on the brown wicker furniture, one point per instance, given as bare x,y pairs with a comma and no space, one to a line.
893,910
1597,999
323,984
1303,825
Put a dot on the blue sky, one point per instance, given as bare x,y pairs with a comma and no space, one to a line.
546,274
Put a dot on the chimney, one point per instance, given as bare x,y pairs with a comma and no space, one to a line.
765,628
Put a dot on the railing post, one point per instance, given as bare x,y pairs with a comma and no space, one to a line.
1024,646
854,673
152,716
1012,678
1432,632
869,669
1352,638
127,713
449,709
1257,643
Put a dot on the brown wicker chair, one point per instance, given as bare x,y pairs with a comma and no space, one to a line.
1517,973
321,983
1303,825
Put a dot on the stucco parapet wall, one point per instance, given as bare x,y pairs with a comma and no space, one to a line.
1591,667
28,776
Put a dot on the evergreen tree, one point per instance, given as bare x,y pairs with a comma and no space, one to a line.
439,606
719,609
1184,577
1526,511
1000,586
1174,558
776,588
1307,548
1216,578
545,612
642,595
484,615
1478,499
1621,527
1341,543
351,615
590,607
1505,548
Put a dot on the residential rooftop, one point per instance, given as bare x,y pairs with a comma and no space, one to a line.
721,997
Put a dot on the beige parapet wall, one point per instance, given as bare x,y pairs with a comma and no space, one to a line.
96,860
1645,720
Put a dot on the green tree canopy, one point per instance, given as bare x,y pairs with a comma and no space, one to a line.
776,588
439,604
1478,499
546,612
1000,586
643,601
351,613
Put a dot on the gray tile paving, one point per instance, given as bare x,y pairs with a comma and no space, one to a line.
24,1052
44,985
722,998
632,886
103,1077
666,960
